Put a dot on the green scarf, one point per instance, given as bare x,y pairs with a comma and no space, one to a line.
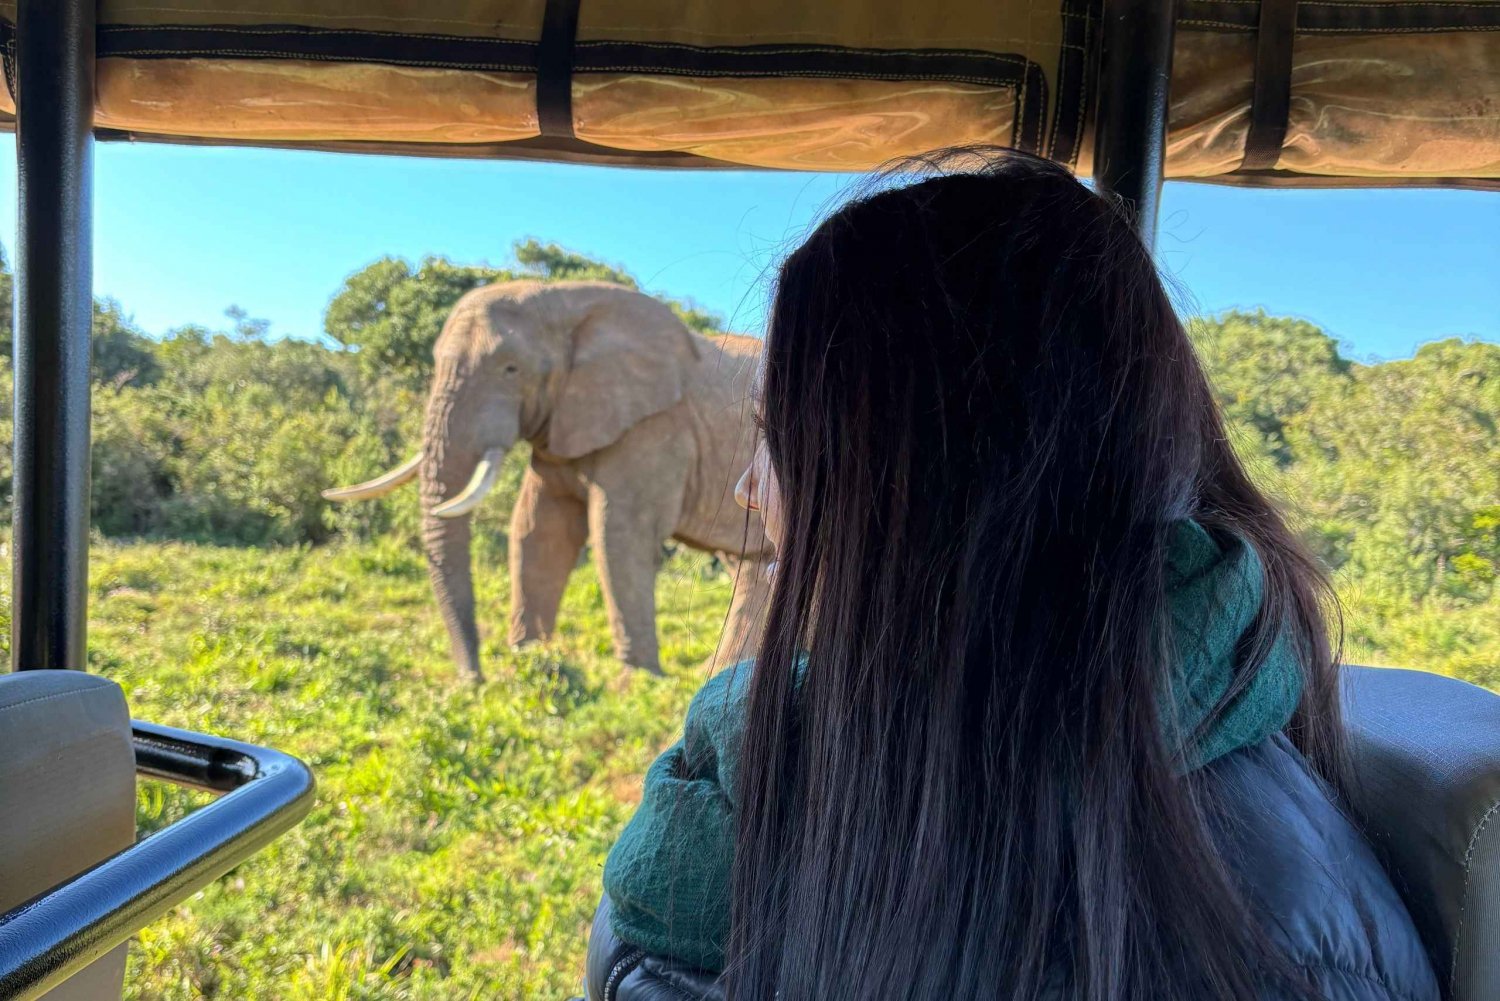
668,876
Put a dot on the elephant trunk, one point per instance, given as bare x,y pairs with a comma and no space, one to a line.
446,467
448,564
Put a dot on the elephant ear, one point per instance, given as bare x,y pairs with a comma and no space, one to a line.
629,361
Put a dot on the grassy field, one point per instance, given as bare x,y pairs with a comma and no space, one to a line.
455,847
456,844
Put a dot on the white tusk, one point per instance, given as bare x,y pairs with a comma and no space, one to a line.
380,485
483,480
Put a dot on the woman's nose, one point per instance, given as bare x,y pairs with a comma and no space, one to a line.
744,490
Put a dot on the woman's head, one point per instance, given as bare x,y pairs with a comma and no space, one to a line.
981,421
962,322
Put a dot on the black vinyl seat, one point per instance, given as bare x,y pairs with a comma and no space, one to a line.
1426,785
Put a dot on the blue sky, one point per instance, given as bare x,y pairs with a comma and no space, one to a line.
183,233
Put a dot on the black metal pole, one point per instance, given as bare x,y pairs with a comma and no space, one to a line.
53,310
1130,129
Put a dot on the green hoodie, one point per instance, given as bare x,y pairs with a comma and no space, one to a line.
668,875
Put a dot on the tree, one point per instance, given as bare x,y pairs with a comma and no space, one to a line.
550,262
1404,460
1267,369
392,313
7,304
122,354
247,327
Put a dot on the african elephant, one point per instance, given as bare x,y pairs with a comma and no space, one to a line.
638,429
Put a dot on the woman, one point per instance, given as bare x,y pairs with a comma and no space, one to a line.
1046,706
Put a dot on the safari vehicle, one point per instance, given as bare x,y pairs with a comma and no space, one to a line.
1250,92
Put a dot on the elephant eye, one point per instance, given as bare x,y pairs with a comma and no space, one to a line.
512,369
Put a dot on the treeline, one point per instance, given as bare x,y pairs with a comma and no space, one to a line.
1390,469
227,436
221,436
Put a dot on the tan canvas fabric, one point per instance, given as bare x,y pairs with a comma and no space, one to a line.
1388,105
67,795
874,23
1031,28
788,84
836,125
479,18
282,99
1396,104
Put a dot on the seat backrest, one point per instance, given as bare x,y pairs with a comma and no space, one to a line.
67,796
1426,784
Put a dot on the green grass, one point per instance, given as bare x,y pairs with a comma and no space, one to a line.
455,847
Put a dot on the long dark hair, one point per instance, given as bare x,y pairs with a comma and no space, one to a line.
985,417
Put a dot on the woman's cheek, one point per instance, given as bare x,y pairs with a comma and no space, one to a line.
771,506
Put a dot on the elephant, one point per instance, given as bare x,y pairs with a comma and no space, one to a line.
639,430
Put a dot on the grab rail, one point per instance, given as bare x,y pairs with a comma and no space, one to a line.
54,935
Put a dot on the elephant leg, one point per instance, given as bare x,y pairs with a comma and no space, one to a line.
627,545
747,609
547,532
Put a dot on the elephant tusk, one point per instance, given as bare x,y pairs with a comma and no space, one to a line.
380,485
483,480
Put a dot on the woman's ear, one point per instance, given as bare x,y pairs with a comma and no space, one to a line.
629,361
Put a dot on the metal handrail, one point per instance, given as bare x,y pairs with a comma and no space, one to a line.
57,933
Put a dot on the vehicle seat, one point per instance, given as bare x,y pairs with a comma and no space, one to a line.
1426,785
67,796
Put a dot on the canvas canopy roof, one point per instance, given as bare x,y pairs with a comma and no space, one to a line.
1375,92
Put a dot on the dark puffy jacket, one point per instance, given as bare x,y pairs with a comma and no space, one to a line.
1335,910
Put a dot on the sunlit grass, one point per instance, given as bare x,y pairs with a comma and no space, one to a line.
455,847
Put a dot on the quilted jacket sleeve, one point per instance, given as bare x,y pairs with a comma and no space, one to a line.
621,972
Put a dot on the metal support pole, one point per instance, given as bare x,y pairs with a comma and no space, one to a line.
53,315
1130,130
